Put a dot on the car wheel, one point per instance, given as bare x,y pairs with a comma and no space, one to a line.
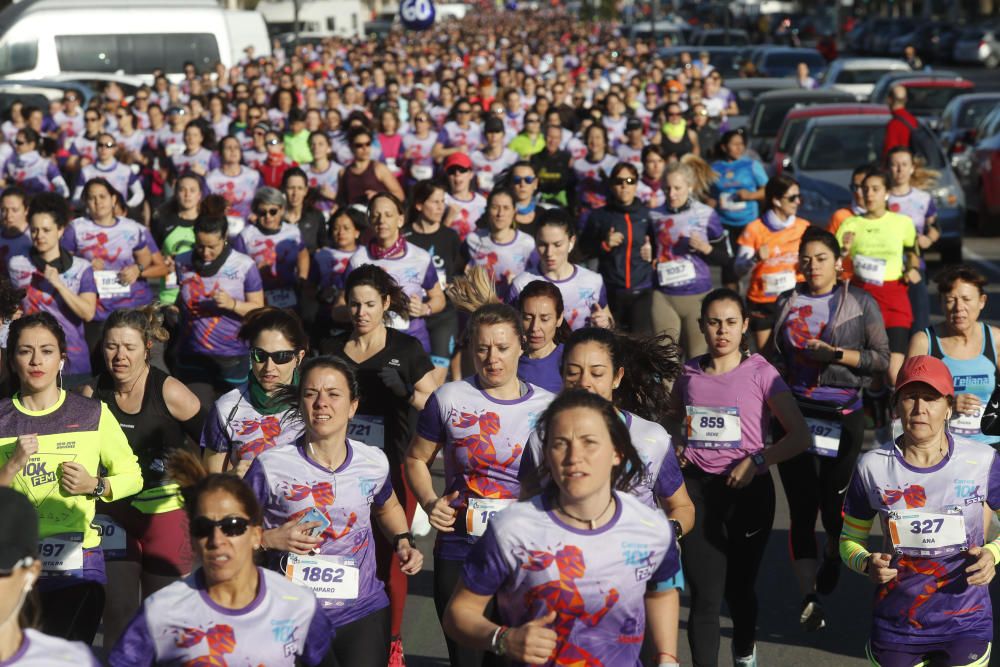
992,61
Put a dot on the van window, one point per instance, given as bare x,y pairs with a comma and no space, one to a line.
135,54
331,23
19,57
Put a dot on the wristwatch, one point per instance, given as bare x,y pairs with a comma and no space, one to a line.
100,488
678,530
759,461
838,354
403,536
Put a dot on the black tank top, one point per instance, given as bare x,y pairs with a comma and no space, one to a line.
677,148
152,432
354,186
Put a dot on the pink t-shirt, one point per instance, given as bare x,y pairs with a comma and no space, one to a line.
727,415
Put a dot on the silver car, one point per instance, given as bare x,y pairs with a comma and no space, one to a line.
858,76
978,44
831,147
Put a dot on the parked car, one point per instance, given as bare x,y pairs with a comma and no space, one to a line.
957,129
821,199
981,138
646,30
747,91
832,146
784,61
987,159
925,38
926,97
880,93
726,59
859,75
980,45
882,38
795,122
770,108
721,37
39,93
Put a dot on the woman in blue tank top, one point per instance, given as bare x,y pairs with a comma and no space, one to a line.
966,346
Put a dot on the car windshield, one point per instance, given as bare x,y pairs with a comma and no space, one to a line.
839,147
770,118
930,101
860,75
784,63
845,146
792,133
973,112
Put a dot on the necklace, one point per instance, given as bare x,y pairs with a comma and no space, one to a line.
589,522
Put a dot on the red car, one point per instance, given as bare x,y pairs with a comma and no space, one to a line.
796,119
987,157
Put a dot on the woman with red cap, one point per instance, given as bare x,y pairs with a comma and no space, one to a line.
928,490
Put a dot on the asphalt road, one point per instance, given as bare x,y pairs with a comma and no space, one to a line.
780,641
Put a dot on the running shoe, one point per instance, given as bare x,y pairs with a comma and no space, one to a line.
746,661
812,617
828,574
396,657
421,525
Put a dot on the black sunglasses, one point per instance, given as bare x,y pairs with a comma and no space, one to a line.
107,144
281,357
358,144
458,170
628,180
20,142
231,526
273,142
793,198
92,119
518,180
269,211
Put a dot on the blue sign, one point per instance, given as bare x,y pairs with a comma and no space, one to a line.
417,14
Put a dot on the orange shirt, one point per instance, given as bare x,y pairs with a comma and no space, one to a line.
836,220
779,272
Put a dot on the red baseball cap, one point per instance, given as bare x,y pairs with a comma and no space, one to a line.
457,160
929,370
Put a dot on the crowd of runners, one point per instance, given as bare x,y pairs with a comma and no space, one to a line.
245,315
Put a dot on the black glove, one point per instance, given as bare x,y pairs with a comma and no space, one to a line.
395,383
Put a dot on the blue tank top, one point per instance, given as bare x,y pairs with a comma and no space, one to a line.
976,376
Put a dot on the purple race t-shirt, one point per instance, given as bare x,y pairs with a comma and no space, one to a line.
116,247
482,439
930,599
290,485
40,296
181,625
595,580
207,328
727,415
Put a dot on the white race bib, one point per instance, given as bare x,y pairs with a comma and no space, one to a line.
485,179
329,577
675,272
391,163
281,298
112,535
727,202
869,269
442,278
927,534
61,554
966,424
173,150
108,285
170,281
236,224
369,429
713,428
825,436
777,283
421,172
481,510
397,321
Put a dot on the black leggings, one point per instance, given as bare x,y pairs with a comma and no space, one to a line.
447,574
443,330
364,642
817,484
722,555
632,309
73,612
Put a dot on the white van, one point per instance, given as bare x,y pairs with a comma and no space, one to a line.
321,17
44,38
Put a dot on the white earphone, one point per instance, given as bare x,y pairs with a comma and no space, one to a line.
29,581
61,364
